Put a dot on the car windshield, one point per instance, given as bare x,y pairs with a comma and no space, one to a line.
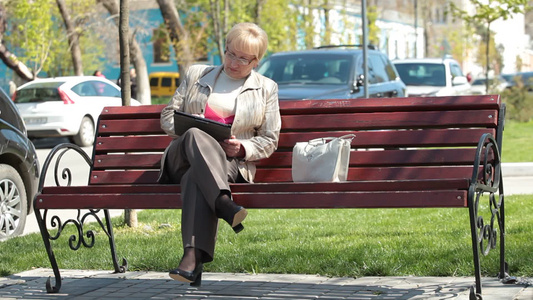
308,69
39,92
422,74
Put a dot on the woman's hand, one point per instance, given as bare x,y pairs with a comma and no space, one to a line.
232,147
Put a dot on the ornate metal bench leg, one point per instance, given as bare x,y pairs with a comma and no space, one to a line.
504,267
50,252
118,268
473,228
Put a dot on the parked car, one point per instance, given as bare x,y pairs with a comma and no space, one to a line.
164,83
66,106
331,72
432,76
19,170
526,78
496,85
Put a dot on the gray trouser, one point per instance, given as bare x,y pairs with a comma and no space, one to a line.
197,162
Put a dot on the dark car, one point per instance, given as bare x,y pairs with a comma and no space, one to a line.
525,78
331,72
19,170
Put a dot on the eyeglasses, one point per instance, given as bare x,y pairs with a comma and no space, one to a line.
239,61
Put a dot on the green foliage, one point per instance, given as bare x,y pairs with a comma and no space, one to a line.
519,102
490,11
38,36
373,30
280,24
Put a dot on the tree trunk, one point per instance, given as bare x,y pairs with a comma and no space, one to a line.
14,64
73,38
219,40
488,60
135,52
130,216
179,36
143,83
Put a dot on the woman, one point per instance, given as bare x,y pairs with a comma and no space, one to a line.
235,94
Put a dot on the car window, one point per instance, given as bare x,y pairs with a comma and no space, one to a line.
106,90
389,68
95,88
376,69
422,73
455,70
84,89
39,92
312,69
166,81
154,81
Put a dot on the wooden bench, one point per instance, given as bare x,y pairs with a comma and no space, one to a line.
409,152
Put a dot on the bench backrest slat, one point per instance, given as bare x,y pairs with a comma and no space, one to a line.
397,138
284,174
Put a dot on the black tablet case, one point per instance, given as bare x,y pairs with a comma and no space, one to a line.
184,121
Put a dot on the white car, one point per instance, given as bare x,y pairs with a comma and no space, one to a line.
432,77
66,106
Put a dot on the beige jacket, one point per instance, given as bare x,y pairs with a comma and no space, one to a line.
257,120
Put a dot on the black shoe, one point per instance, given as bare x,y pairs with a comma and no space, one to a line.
193,277
232,213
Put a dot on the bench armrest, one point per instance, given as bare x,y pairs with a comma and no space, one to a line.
66,174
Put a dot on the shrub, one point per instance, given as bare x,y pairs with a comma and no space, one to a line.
519,102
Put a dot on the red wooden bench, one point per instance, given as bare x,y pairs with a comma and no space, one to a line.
409,152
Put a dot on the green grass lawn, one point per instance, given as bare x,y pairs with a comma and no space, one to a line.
335,242
518,142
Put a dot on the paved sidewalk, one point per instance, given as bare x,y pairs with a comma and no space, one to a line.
83,284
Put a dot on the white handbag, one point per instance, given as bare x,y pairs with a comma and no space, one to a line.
322,160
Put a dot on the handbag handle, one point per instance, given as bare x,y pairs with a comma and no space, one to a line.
325,139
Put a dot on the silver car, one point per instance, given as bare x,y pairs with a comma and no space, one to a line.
66,106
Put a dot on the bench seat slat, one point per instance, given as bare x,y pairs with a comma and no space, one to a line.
376,185
369,199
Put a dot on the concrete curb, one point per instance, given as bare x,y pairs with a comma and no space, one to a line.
517,169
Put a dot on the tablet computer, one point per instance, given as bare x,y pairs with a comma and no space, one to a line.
184,121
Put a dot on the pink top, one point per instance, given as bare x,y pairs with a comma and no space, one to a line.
212,115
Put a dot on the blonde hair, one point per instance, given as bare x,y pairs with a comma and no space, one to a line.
249,38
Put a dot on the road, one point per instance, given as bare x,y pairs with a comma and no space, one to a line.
517,177
79,170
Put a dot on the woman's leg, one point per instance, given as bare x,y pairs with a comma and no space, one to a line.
199,222
199,164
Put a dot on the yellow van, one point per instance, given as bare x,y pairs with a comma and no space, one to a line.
164,83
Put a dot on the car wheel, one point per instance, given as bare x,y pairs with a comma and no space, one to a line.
13,203
85,136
